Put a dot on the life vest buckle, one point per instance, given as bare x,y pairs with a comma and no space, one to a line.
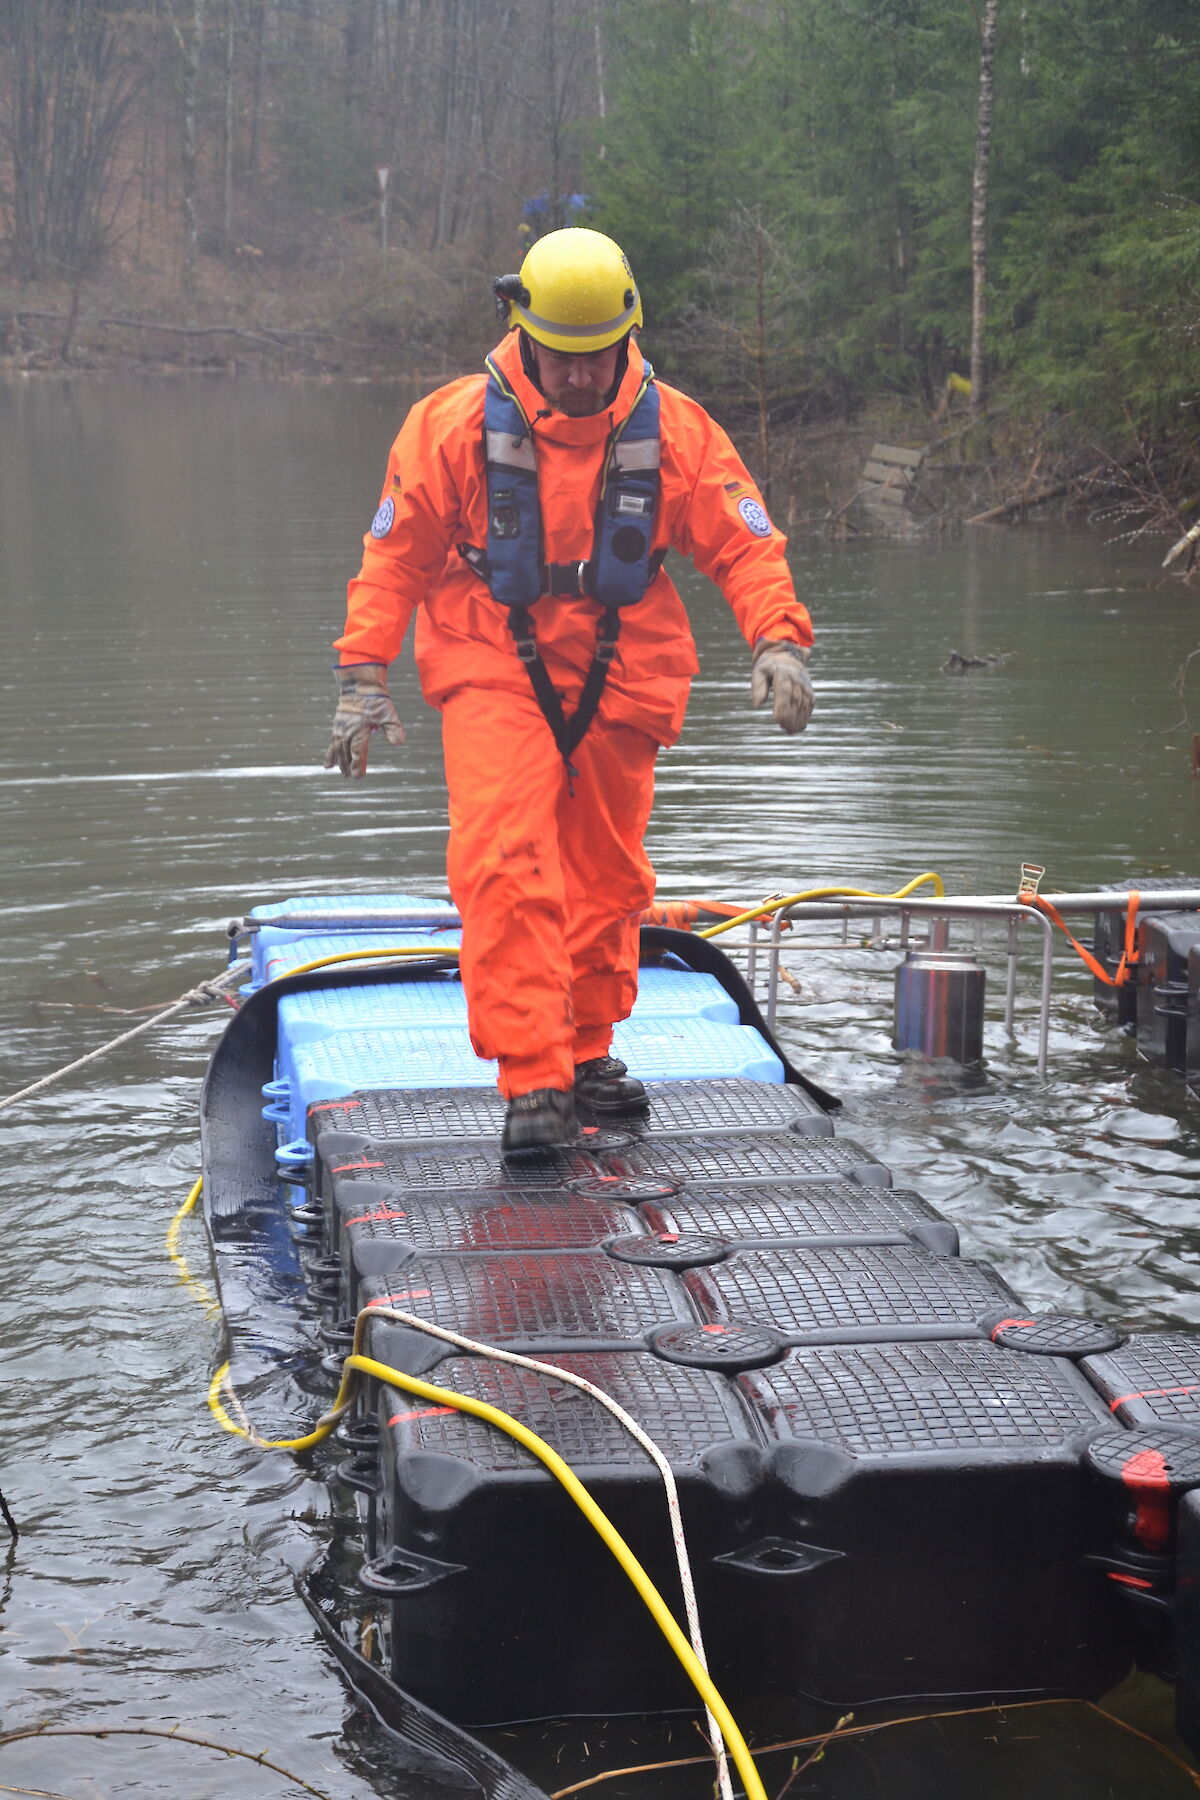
570,581
527,649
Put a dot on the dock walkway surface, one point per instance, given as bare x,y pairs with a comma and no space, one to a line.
895,1482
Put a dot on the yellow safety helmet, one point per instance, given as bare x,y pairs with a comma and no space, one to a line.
575,292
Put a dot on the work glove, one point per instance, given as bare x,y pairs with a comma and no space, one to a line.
364,705
778,671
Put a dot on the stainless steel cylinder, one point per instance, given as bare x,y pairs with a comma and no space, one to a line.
939,1005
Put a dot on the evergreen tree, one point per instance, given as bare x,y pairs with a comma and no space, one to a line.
675,140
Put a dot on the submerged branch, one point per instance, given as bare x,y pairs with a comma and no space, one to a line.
1022,502
174,1736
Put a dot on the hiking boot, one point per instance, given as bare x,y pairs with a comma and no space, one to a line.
605,1084
546,1116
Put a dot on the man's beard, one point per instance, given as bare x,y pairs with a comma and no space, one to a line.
576,403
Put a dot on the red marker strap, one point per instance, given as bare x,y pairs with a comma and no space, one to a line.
1152,1394
1006,1323
1145,1475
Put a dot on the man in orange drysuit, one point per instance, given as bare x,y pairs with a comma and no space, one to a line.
524,517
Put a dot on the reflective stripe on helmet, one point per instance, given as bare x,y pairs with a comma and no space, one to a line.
602,328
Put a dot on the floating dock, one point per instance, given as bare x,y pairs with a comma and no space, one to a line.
896,1483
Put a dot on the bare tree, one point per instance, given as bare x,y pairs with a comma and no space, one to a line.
227,131
358,32
751,324
263,118
452,120
186,18
75,73
601,92
979,207
258,25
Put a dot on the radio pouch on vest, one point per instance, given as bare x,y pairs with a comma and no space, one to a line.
621,566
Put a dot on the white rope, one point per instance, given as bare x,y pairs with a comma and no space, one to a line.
204,995
652,1450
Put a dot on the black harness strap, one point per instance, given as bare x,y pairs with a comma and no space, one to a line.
568,733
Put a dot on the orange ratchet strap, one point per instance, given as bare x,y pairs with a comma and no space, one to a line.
1129,954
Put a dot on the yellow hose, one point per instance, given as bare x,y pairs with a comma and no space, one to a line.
769,907
173,1229
197,1289
320,1431
323,962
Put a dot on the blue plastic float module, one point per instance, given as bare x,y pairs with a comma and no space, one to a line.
437,1003
285,951
340,912
348,1061
663,994
339,909
694,1050
278,950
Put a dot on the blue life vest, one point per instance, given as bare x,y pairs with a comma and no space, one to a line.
621,566
619,570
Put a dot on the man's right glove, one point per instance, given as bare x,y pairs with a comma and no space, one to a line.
364,705
779,673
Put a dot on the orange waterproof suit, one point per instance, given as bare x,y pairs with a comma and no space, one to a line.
549,881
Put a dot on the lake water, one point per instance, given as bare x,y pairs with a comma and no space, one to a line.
172,564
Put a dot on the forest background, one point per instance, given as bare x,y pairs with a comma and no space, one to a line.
828,203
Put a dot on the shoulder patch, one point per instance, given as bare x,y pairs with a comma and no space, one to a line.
735,487
754,517
384,519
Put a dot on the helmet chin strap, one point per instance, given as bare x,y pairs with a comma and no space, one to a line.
622,365
529,364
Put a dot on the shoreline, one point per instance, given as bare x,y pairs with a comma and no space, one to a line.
1001,470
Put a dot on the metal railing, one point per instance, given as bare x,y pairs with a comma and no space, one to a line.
980,908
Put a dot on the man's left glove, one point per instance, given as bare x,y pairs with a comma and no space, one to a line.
779,672
364,705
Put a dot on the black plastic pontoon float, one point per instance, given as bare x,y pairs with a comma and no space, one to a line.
895,1483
